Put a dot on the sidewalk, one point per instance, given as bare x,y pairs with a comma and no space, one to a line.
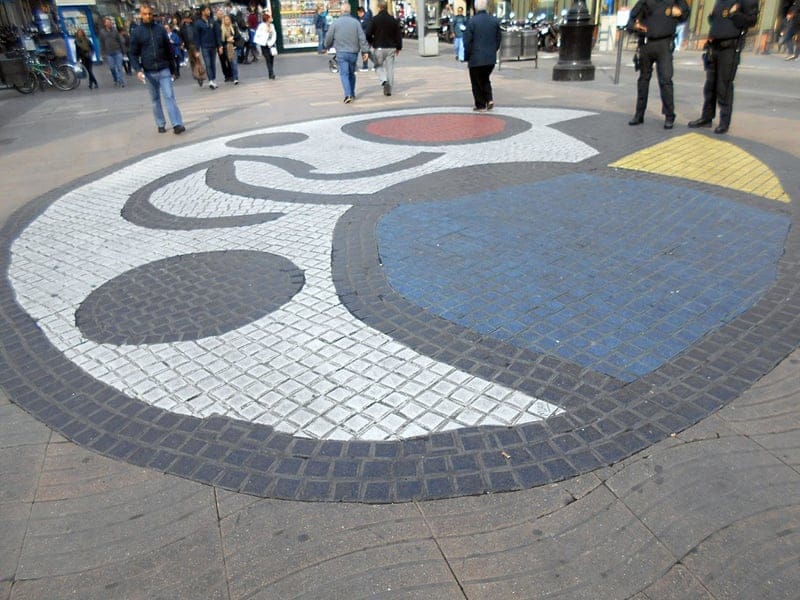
527,353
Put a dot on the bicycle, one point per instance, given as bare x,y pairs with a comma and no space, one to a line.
62,77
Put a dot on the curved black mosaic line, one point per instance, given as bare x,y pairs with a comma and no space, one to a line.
604,422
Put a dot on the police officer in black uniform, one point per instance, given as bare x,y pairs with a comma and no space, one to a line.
729,22
655,22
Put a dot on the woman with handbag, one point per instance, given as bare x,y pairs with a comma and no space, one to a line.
85,50
229,34
267,37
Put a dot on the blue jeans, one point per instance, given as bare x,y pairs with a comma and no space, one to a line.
160,84
210,60
458,45
321,39
115,64
347,71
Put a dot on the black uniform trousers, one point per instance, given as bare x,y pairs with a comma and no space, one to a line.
481,85
721,65
660,52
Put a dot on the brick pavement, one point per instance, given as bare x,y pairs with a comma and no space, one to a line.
335,292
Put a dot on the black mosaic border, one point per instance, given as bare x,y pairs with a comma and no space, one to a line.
605,421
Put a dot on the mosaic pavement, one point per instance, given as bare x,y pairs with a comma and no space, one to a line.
403,305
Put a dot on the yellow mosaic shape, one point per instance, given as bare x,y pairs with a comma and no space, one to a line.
704,159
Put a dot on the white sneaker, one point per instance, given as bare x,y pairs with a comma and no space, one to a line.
212,84
235,82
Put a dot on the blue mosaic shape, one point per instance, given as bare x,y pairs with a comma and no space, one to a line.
614,275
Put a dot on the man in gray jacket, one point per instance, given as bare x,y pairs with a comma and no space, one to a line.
347,37
112,47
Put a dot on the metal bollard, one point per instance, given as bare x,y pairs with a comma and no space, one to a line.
575,53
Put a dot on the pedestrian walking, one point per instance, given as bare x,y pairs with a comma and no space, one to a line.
175,51
266,37
321,27
792,28
229,33
208,44
729,20
150,56
655,22
84,50
112,47
459,25
481,43
347,37
364,16
386,37
224,63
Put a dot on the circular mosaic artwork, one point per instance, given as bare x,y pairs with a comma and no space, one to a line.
403,305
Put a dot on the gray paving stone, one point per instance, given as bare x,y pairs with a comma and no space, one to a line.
677,584
478,514
13,524
593,548
109,513
757,556
771,405
686,493
189,566
18,428
784,445
272,547
20,467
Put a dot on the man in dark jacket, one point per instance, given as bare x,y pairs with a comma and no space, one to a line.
150,55
792,26
386,37
364,16
655,22
208,43
729,22
481,43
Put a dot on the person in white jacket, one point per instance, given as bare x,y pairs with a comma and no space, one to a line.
267,37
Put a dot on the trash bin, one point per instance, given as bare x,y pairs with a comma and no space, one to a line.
510,45
530,45
13,71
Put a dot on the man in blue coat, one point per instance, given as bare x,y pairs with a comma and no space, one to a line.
481,43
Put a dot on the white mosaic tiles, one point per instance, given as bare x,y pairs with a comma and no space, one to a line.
309,368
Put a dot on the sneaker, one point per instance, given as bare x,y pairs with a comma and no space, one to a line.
212,84
490,105
178,129
235,82
363,69
348,99
790,57
162,129
387,89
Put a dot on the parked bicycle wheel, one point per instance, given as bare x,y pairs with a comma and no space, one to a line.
65,78
28,86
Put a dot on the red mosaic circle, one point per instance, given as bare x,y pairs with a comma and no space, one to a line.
437,128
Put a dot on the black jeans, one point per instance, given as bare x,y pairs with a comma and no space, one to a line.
481,85
723,60
658,52
270,61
